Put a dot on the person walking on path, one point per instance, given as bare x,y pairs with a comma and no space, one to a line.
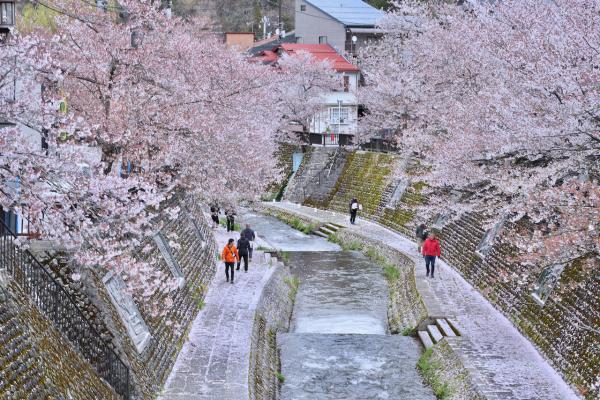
230,216
249,234
214,215
421,236
230,255
243,246
354,206
431,250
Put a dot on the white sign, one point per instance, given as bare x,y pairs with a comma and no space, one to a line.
130,315
169,259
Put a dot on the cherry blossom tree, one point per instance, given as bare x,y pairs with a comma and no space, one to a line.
134,105
300,91
500,102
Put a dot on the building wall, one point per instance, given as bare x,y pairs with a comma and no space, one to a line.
312,23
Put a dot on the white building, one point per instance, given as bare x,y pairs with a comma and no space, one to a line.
337,122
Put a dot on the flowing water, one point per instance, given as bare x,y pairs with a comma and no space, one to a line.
338,347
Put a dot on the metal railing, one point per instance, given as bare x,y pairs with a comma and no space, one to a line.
56,304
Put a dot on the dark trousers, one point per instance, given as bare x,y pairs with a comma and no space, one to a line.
430,260
230,224
250,250
353,216
229,266
245,258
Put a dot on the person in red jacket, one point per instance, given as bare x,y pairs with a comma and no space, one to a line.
431,250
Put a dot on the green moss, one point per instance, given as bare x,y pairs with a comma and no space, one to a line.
280,377
293,283
409,331
345,245
430,370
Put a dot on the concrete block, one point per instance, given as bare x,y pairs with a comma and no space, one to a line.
457,329
425,339
444,327
435,333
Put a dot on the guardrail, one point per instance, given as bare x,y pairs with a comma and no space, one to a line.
56,304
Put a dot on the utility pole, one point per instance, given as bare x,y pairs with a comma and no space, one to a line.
279,24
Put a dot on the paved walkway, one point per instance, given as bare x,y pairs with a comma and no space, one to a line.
214,363
502,362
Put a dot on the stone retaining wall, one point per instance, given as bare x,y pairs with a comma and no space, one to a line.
37,361
190,246
565,328
450,373
272,316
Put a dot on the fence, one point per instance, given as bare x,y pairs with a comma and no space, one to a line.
54,301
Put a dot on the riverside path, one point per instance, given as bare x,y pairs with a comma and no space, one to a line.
503,364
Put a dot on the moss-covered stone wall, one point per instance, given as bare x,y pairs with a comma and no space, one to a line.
566,329
193,248
272,316
365,176
37,361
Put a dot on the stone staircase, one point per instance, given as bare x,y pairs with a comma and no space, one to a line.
436,329
317,176
327,230
365,176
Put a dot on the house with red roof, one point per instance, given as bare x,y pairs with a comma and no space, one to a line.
336,123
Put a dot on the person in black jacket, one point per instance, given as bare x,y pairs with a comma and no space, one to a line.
243,246
249,234
230,216
421,235
354,206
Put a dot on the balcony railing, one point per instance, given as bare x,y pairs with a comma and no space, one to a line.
55,303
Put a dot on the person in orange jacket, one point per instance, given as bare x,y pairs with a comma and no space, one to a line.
431,250
230,256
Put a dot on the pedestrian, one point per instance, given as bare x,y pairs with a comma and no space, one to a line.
243,245
354,206
421,235
214,215
229,255
249,234
230,216
431,250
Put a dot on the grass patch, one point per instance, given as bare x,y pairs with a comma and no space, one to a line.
296,223
280,377
293,283
236,227
409,331
345,245
391,272
430,370
284,256
263,248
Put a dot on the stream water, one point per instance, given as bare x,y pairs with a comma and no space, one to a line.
338,346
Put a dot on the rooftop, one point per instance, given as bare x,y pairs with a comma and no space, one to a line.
320,52
349,12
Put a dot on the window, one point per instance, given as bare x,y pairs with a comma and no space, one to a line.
322,39
339,115
346,83
7,13
303,7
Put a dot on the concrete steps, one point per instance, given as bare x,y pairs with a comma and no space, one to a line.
437,330
327,230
